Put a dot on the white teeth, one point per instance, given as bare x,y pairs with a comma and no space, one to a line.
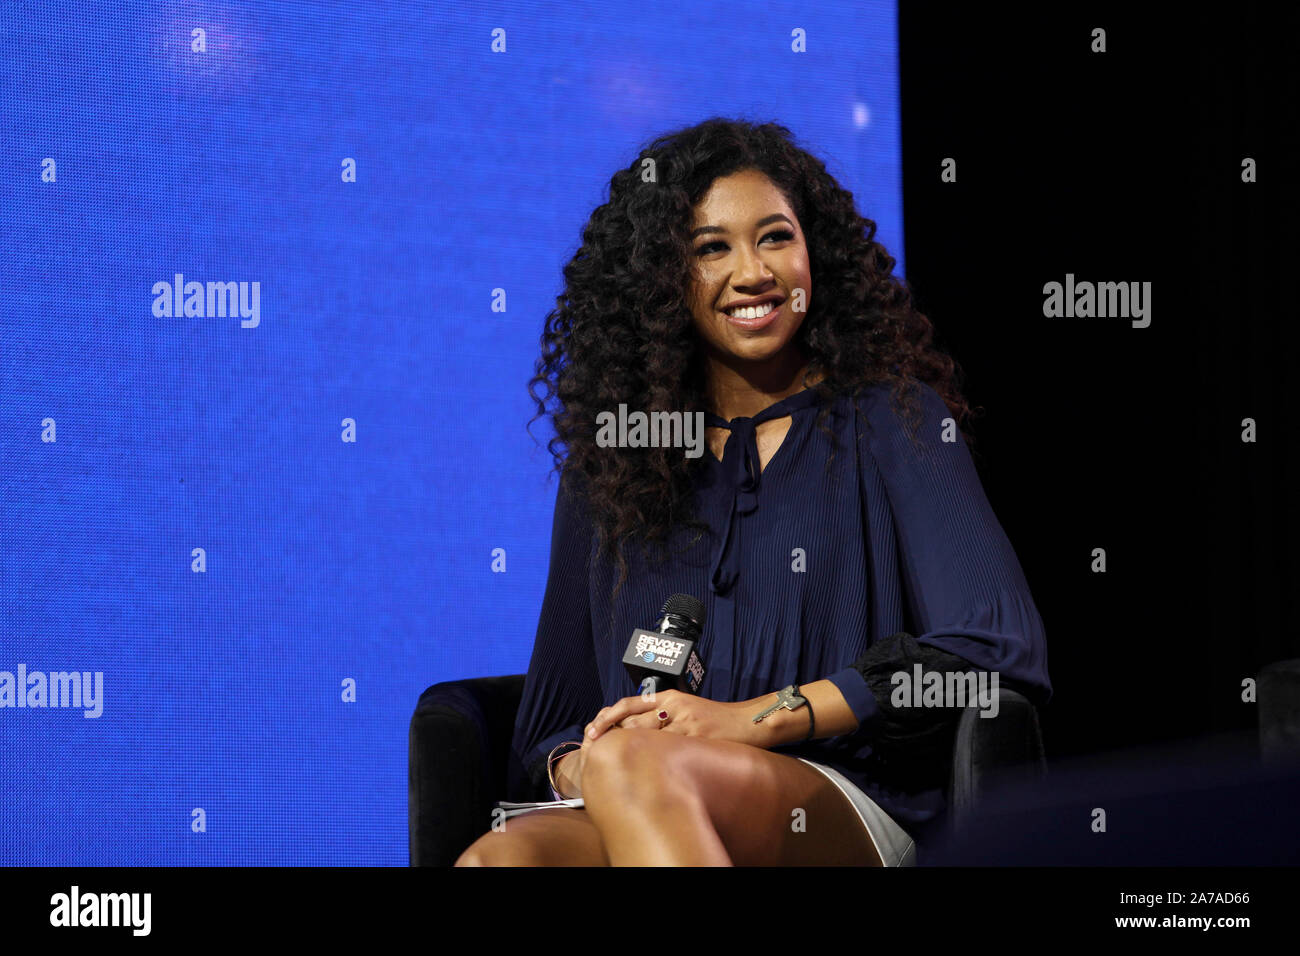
751,312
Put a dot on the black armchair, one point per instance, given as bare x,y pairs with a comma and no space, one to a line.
460,758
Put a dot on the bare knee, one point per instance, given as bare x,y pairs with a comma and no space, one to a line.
623,759
471,857
635,768
500,849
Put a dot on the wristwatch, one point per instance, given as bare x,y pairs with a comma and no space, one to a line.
790,698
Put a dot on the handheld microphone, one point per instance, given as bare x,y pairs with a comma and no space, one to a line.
667,656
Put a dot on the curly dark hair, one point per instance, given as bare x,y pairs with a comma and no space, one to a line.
622,331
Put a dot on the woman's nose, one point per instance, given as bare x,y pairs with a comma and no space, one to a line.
751,270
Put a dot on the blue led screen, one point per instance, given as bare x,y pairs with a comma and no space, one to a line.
258,521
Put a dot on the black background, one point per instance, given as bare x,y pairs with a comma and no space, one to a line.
1121,166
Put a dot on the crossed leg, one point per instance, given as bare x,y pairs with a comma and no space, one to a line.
656,798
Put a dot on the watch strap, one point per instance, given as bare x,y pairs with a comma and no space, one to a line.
812,719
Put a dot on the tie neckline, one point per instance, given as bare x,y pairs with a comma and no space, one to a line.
778,410
740,460
742,469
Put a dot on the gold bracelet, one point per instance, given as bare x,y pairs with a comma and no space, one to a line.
550,761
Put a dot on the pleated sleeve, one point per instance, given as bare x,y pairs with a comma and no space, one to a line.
959,577
562,687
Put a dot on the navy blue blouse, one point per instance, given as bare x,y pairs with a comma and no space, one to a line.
848,566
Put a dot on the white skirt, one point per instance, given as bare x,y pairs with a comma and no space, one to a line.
893,844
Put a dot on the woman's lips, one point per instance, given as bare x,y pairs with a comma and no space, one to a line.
753,325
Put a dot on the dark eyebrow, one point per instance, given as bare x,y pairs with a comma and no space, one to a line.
775,217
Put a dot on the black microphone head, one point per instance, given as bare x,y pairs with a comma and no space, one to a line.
685,608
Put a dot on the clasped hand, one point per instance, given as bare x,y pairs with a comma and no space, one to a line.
688,715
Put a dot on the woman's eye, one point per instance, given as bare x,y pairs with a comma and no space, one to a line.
782,235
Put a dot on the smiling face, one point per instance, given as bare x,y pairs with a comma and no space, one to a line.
748,249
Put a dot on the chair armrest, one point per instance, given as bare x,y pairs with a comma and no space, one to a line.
993,750
1278,693
458,759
